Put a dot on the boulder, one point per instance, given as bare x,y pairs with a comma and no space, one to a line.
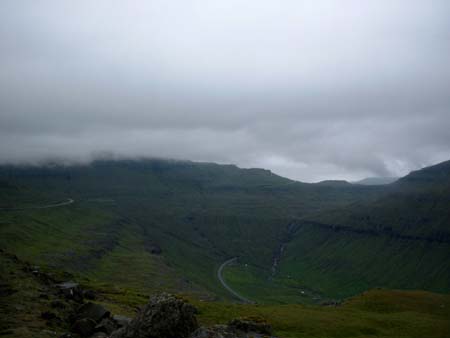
71,290
165,316
121,321
93,311
119,333
253,324
106,325
84,327
237,328
217,331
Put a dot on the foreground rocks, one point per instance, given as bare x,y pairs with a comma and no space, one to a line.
92,311
237,328
61,308
90,318
71,291
165,316
252,324
121,321
85,327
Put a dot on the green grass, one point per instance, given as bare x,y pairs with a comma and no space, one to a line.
260,286
20,312
340,264
201,214
377,313
67,235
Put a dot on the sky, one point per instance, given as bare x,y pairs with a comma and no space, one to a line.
312,90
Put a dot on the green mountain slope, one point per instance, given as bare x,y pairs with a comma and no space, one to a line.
401,240
416,206
156,224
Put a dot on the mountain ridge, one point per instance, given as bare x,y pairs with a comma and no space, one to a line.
200,214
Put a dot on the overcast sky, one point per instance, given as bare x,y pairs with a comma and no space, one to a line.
312,90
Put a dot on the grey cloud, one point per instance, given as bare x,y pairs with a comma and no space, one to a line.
310,89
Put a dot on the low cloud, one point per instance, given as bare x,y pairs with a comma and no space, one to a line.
311,90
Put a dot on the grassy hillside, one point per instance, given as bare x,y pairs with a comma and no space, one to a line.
157,224
376,313
416,206
401,239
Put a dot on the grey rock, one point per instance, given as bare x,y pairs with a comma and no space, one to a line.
84,327
93,311
106,325
237,328
71,290
121,321
217,331
118,333
251,325
165,316
67,285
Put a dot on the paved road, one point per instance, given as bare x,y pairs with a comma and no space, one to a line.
47,206
226,286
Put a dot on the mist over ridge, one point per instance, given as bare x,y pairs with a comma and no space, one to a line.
310,90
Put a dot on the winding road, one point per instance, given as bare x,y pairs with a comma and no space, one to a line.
219,271
47,206
226,286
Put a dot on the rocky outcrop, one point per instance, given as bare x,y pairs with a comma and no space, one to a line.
93,311
237,328
90,318
71,291
84,327
252,324
121,321
106,325
216,331
64,307
165,316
